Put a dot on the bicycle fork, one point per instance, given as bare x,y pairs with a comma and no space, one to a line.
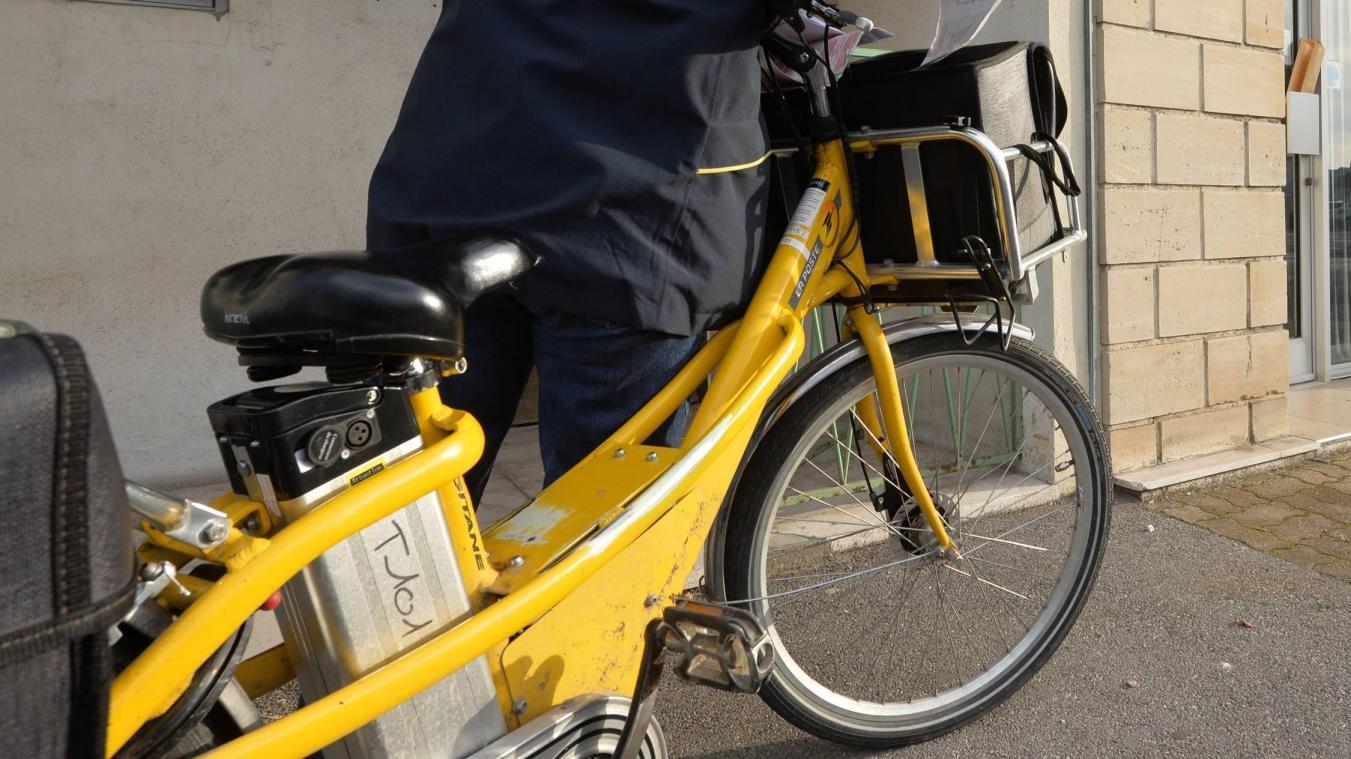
890,436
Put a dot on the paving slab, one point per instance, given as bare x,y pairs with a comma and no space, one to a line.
1300,513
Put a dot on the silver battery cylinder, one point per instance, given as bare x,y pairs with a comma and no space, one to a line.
372,597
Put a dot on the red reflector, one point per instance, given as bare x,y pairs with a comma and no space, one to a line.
272,602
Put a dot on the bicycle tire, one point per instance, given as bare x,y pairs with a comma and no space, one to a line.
760,487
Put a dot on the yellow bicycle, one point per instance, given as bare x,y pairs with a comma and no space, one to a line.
895,537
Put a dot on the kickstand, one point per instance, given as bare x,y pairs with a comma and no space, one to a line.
644,696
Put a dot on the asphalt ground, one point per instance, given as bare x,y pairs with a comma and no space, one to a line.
1192,645
1143,672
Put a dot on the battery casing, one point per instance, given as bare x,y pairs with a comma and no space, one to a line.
381,591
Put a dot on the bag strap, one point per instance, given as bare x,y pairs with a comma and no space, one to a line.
92,619
1068,184
1048,96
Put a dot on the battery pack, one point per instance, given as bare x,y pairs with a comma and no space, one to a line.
378,593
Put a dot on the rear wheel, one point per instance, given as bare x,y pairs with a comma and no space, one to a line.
881,640
212,711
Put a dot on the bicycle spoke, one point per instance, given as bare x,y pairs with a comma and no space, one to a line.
818,586
1029,498
986,582
853,610
984,560
889,456
818,542
828,521
870,467
1006,542
888,641
908,585
1013,459
857,520
1012,615
957,447
1018,484
1019,527
961,492
881,522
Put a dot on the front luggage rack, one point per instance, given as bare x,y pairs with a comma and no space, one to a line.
1018,263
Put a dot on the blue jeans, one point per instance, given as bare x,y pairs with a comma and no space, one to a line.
593,376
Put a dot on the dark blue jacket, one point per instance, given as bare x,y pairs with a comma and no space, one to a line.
581,126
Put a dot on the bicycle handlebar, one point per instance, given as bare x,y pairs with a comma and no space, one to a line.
798,57
836,17
840,17
861,23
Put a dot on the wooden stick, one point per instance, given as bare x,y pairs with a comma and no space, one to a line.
1308,66
1315,67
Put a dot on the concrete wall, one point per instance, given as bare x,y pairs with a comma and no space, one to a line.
145,148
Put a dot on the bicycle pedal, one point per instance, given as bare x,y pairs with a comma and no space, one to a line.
719,646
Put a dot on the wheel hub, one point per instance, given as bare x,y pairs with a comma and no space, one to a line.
915,536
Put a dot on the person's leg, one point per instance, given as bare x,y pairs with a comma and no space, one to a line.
593,377
498,348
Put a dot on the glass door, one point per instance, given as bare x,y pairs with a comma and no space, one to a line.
1336,35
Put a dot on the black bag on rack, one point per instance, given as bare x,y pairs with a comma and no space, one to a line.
65,549
1008,90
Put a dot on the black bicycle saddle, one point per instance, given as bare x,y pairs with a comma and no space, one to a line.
405,302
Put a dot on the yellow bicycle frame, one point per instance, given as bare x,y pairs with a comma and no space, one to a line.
563,588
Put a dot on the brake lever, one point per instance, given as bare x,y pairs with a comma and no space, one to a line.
839,17
861,23
788,12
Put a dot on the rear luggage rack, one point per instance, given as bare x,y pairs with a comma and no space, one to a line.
1019,263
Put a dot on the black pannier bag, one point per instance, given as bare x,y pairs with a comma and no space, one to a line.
1007,90
65,549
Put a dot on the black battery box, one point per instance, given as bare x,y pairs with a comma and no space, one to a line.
285,441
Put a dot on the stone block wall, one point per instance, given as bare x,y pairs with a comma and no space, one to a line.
1192,164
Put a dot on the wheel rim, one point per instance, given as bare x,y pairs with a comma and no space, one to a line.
863,560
